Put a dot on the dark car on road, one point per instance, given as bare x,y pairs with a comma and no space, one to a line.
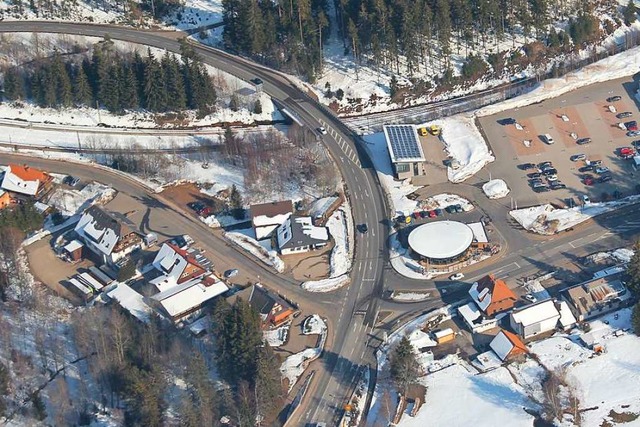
363,228
527,166
624,114
614,98
583,141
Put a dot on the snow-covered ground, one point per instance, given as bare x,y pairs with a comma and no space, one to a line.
295,365
276,337
397,190
70,201
545,219
410,296
620,255
443,200
255,248
495,189
340,226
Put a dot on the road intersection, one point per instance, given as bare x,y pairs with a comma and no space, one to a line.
353,311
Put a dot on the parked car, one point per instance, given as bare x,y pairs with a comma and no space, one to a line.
624,114
588,180
547,139
550,171
625,151
577,157
543,165
457,276
438,211
557,185
594,162
585,199
450,209
541,189
507,121
539,184
231,273
614,98
583,141
633,133
527,166
632,125
636,143
552,178
71,181
322,130
432,214
459,208
196,206
423,131
206,212
416,215
602,170
530,298
605,178
587,168
534,175
534,182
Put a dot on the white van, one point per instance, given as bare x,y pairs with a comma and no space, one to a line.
547,139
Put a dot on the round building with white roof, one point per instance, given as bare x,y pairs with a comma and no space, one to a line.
441,242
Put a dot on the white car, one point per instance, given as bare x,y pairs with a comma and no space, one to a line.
548,139
530,297
585,199
322,130
457,276
552,178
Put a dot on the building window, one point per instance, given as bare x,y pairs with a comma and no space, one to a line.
402,167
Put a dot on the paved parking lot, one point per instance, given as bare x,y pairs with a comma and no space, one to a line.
586,116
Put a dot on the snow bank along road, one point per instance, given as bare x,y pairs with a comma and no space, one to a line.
348,341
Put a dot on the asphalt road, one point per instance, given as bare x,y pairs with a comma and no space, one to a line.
347,341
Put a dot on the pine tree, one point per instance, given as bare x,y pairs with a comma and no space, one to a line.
257,107
635,319
62,81
235,202
404,366
234,103
154,89
268,385
633,270
82,91
393,86
13,85
629,13
128,89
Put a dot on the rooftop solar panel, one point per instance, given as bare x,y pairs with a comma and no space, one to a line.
403,143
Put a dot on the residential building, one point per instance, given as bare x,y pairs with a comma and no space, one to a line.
266,217
6,199
175,266
187,299
273,310
507,345
25,180
534,319
596,297
492,295
298,234
105,236
405,150
475,319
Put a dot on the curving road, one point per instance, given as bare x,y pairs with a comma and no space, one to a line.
347,346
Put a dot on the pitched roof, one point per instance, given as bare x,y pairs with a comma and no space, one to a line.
535,313
488,290
176,266
27,173
300,232
261,300
101,228
504,344
271,209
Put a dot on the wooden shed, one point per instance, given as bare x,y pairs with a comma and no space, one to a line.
74,250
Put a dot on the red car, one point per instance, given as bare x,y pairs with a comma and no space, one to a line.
631,126
588,180
432,214
626,151
416,215
206,212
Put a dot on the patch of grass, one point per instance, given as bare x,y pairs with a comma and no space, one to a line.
623,417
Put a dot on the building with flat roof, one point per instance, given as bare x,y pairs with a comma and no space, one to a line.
441,242
405,150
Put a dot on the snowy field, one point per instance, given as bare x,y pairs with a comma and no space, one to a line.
547,220
70,201
441,201
276,337
495,189
410,296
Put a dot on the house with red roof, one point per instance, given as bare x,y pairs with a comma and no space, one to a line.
492,295
24,179
507,345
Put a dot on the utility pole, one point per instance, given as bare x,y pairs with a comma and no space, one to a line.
79,145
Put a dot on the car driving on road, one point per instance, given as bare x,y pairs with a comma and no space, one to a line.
322,130
457,276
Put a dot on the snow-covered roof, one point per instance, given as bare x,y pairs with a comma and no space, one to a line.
273,213
495,189
264,231
479,233
131,301
420,339
99,227
506,342
488,289
535,313
300,232
441,239
41,207
320,207
188,296
84,289
176,266
73,245
265,221
23,179
567,319
89,280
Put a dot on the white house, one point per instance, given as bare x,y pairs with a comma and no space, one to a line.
105,236
534,319
187,299
298,234
174,267
266,217
26,180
